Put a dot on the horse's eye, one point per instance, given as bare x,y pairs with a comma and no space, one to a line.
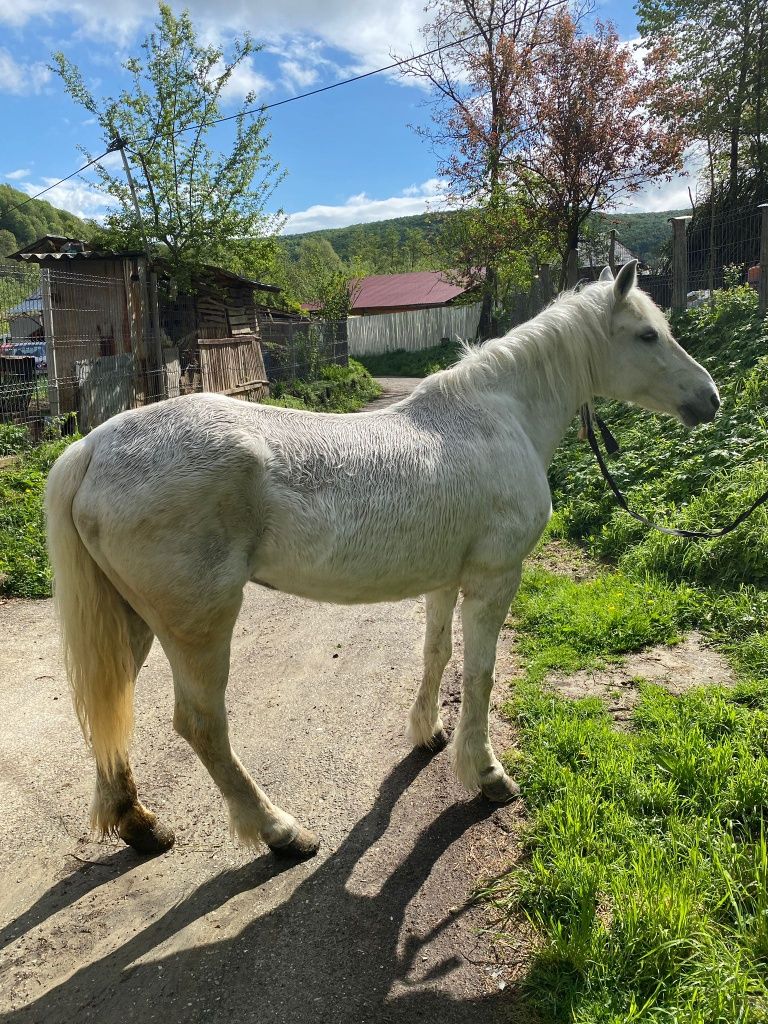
649,335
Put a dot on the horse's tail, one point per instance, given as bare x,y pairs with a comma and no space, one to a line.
94,621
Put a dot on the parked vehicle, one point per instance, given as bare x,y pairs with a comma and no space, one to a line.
29,348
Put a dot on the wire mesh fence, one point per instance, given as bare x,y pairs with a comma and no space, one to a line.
722,249
77,347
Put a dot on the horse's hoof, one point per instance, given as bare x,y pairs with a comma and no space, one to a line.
141,830
437,742
302,845
500,790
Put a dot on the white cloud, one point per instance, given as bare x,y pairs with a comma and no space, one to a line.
77,197
362,209
244,81
21,79
22,172
367,29
297,76
669,195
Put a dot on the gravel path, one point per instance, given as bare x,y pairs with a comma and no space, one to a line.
392,390
376,928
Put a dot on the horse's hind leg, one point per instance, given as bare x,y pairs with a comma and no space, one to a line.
200,669
484,608
425,727
116,806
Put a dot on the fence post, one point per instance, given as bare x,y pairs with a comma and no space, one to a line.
50,347
679,263
763,207
612,252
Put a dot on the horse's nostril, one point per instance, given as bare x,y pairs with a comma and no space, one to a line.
715,401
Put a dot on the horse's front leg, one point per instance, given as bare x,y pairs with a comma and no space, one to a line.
483,611
425,727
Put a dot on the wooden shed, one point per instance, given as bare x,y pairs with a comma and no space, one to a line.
119,333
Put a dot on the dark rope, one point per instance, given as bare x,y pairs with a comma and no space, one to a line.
588,418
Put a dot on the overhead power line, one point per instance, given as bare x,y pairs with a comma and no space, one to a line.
61,181
255,110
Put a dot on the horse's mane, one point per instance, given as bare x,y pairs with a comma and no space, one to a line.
563,344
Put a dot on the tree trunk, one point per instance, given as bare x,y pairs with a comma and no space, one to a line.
487,326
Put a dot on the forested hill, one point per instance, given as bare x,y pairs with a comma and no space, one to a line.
413,243
407,240
33,219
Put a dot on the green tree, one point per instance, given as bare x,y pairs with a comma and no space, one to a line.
720,50
8,243
479,119
198,204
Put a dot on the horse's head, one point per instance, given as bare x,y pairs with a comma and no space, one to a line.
645,364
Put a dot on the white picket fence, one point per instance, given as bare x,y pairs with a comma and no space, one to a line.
415,329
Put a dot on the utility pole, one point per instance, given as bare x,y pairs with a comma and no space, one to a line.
157,382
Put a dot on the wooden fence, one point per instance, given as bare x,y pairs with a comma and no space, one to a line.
413,330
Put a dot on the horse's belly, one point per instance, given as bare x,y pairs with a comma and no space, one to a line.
339,587
378,569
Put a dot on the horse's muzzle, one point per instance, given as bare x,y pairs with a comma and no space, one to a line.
703,410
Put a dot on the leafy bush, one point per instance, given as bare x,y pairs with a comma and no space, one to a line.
24,569
13,439
338,389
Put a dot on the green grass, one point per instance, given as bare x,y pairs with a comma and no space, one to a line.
647,868
24,569
412,364
338,389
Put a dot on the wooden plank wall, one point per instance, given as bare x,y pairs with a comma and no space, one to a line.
417,329
233,366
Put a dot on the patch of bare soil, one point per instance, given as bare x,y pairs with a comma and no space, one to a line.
689,664
565,559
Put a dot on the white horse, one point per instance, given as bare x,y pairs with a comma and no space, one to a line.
159,518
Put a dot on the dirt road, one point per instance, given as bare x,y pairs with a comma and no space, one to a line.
374,929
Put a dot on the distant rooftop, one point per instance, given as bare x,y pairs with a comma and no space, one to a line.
421,288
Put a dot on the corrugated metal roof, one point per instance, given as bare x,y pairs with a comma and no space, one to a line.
421,288
49,247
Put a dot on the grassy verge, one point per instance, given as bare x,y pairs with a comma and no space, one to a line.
24,569
647,874
338,389
412,364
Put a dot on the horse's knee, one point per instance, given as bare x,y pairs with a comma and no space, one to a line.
197,728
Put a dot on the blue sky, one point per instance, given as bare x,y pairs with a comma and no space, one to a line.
350,154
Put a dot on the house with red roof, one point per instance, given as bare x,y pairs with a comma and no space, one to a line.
400,293
397,293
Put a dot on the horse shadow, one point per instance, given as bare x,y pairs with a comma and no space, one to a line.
325,954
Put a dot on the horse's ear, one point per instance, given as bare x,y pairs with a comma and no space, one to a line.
626,280
606,274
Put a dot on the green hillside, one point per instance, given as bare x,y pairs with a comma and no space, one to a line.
415,243
35,218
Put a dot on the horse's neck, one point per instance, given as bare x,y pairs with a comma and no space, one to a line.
547,384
